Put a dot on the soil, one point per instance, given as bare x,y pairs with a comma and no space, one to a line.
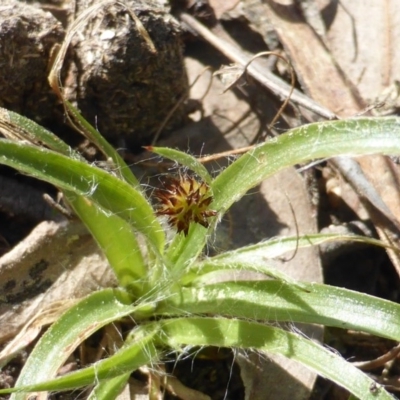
136,96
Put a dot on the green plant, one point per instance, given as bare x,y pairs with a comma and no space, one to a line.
162,286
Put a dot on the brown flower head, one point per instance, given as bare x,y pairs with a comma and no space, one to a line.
185,200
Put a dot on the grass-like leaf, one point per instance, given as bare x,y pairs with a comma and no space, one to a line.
184,159
255,257
244,335
109,389
134,354
106,148
79,322
278,301
110,193
116,238
309,142
279,246
15,126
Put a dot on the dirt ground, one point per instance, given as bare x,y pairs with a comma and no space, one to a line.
345,61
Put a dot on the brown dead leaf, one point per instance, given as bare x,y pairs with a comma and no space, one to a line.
364,41
318,72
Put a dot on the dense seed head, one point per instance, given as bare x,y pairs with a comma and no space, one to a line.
185,200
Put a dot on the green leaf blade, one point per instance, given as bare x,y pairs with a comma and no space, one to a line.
106,148
118,242
309,142
259,257
26,129
109,389
140,352
184,159
223,332
79,322
109,192
277,301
